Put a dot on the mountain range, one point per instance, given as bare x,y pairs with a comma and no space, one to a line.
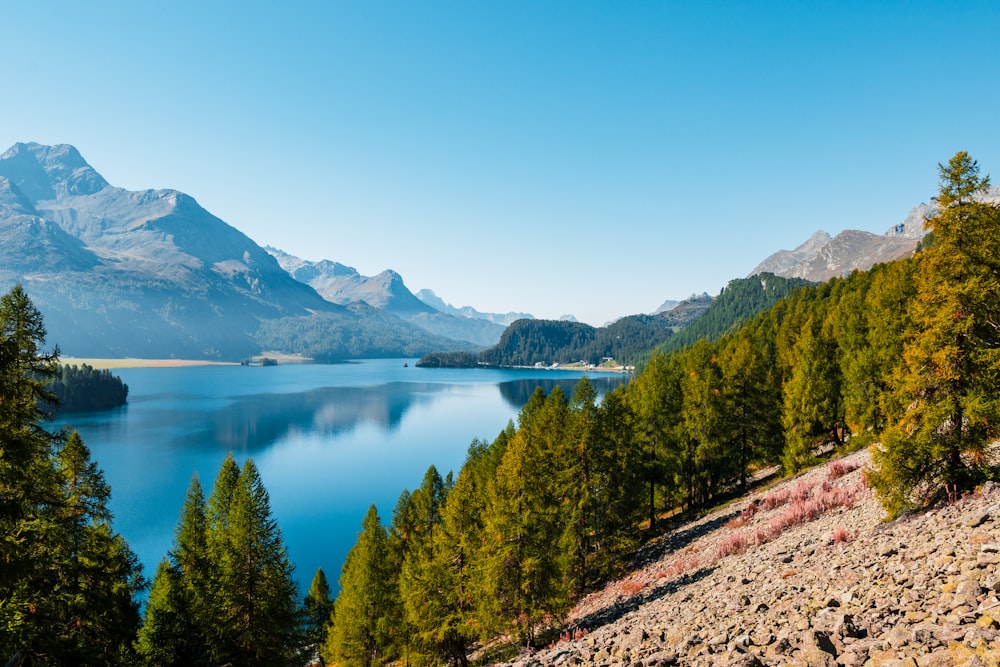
120,273
822,257
343,285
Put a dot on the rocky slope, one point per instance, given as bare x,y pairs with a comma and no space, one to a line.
806,573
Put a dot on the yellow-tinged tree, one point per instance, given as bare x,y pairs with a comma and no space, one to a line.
951,360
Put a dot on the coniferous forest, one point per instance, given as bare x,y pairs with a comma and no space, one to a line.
904,358
84,388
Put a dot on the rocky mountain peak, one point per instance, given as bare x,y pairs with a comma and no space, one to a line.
49,172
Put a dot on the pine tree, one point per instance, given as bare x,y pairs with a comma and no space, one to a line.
257,598
952,359
318,607
361,632
68,582
179,613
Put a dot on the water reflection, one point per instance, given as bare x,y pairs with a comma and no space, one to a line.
255,422
517,392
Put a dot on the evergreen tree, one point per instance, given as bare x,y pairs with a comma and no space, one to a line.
99,576
952,359
162,640
179,613
257,597
318,608
226,594
654,397
361,632
751,416
68,582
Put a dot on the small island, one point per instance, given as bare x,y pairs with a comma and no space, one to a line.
86,389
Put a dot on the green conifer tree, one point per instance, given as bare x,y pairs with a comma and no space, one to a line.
179,614
318,607
361,632
257,597
952,359
67,581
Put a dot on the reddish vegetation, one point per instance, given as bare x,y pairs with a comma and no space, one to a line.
838,468
841,535
802,504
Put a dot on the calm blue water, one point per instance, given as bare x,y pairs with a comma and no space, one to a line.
328,440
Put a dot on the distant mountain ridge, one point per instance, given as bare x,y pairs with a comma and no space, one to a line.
343,285
822,257
503,319
120,273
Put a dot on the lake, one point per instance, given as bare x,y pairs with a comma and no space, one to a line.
328,440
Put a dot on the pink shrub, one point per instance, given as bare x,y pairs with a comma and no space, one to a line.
803,490
776,498
841,535
838,468
734,543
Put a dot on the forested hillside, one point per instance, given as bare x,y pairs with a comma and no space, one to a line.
530,342
907,353
739,301
630,339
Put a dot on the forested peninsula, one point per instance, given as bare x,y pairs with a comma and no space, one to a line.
84,389
473,567
629,340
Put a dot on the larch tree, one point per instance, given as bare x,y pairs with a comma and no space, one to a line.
752,403
361,631
318,607
654,398
951,360
257,597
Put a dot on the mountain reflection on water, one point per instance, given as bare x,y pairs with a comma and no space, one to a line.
255,422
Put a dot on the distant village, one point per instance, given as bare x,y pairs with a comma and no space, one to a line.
607,365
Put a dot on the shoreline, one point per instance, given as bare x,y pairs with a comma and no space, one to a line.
131,362
136,362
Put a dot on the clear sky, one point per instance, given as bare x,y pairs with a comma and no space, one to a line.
591,158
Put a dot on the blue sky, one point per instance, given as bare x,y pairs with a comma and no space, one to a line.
592,158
